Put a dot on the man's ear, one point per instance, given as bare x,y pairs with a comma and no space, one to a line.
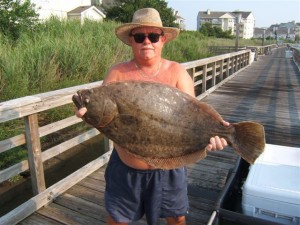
130,40
163,38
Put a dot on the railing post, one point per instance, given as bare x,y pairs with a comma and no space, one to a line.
227,67
34,154
248,58
108,144
221,69
193,73
242,61
232,64
242,64
214,74
204,78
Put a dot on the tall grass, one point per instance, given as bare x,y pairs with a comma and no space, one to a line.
58,55
188,46
65,53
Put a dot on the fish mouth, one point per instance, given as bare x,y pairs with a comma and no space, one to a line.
81,99
77,101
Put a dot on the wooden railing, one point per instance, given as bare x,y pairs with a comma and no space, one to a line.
262,50
296,55
207,74
219,50
259,50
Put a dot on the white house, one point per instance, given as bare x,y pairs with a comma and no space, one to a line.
86,12
247,24
81,9
228,21
221,19
179,20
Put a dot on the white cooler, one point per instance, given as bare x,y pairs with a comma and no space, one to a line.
288,54
272,188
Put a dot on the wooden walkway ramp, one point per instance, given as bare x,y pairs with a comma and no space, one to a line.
267,92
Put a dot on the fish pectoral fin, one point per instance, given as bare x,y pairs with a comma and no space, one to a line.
110,112
176,162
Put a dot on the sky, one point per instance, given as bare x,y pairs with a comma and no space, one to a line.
266,12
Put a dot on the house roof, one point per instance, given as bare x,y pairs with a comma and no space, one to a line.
81,9
179,17
212,14
244,14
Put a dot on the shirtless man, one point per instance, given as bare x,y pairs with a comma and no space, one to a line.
134,188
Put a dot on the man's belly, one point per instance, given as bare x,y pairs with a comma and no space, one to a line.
131,160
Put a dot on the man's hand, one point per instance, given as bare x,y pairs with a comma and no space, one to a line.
217,143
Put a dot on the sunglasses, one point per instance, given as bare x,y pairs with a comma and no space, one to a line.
140,37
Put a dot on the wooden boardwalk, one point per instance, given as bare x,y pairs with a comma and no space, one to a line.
267,92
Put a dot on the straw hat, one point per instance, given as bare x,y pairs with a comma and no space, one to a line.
147,17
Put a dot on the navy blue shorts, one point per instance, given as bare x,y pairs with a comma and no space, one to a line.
132,193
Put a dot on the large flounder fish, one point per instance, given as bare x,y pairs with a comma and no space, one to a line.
162,125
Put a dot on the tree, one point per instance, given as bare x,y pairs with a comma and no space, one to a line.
123,10
213,31
16,16
207,30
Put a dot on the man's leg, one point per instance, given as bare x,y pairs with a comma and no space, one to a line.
122,202
180,220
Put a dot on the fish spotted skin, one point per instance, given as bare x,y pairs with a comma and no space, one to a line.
162,125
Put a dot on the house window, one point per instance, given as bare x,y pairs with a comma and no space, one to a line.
96,2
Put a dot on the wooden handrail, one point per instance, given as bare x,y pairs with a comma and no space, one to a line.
21,107
262,50
296,55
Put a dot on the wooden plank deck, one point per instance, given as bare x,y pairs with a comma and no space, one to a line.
267,92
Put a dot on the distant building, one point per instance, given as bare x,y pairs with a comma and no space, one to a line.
79,9
227,21
86,12
179,20
282,31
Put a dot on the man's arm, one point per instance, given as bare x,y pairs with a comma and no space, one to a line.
186,84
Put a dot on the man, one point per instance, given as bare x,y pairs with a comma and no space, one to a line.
134,188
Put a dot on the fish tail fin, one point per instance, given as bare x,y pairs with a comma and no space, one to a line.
249,140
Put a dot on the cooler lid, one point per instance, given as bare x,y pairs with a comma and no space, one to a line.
275,175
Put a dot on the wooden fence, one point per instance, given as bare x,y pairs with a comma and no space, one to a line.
296,55
259,50
219,50
208,74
